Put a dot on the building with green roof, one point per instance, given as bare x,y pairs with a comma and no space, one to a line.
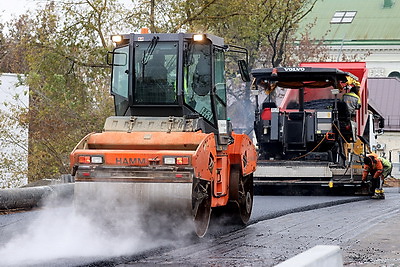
366,29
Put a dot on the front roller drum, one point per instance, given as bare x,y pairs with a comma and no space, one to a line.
147,200
201,205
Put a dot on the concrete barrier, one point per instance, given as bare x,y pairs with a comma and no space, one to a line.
29,197
318,256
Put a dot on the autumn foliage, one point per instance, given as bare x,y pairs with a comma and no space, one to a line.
60,49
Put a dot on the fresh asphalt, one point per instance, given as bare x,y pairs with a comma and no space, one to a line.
15,225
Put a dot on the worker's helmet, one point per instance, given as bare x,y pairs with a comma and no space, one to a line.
355,89
352,85
369,160
352,81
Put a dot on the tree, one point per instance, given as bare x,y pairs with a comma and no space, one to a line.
69,80
13,45
264,27
267,29
304,49
61,49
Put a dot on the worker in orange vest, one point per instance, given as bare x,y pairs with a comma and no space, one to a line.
379,168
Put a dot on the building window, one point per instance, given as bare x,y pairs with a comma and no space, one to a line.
394,74
341,17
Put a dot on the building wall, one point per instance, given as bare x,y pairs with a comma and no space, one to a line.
389,143
381,60
14,140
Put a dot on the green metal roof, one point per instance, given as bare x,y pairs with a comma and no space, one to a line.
373,23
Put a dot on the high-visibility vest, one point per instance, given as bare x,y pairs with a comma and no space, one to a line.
386,163
354,95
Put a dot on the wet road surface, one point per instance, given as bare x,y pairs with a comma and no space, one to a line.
280,227
352,226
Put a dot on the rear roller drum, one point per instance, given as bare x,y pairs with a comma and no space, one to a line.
201,205
245,200
241,193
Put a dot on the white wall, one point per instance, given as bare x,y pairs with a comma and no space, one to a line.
391,143
14,143
381,59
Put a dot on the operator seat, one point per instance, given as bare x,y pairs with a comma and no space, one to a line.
156,79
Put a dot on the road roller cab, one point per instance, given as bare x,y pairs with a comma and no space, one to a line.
171,141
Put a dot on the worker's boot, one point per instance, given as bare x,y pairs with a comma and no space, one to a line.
379,194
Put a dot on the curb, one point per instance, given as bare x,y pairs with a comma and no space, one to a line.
318,256
30,197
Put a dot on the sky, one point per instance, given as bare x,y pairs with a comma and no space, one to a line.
14,8
9,9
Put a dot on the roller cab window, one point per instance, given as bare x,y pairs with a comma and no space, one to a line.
220,86
155,67
198,79
119,82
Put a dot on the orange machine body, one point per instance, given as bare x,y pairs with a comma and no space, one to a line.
170,145
157,157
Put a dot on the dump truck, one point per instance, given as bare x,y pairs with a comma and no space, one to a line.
312,138
170,145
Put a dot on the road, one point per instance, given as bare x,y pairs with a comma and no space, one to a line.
280,227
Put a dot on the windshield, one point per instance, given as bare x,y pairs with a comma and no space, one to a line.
155,68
